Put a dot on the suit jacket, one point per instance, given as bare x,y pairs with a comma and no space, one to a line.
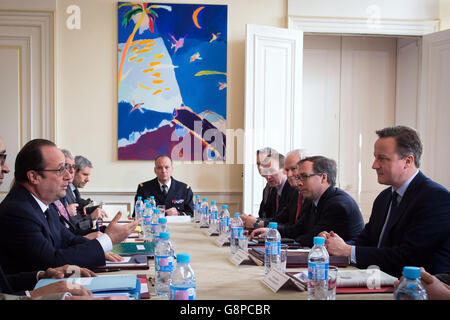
17,283
268,203
336,211
282,214
287,214
179,195
81,224
31,242
420,236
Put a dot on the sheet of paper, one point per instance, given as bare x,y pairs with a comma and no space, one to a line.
125,260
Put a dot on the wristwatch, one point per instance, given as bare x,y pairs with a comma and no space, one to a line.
256,224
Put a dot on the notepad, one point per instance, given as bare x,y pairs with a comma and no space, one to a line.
123,282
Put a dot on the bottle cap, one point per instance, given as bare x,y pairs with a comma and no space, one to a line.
164,235
162,220
146,200
204,199
411,272
155,210
237,214
148,205
224,206
319,241
139,198
197,196
152,197
213,202
183,257
273,225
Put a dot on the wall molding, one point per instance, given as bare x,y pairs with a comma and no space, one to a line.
33,31
341,25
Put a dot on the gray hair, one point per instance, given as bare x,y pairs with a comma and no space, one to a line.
81,163
67,153
301,153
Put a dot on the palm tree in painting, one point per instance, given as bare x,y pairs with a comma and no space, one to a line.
144,17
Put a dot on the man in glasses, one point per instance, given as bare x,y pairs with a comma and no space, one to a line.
410,220
329,208
276,194
31,234
18,286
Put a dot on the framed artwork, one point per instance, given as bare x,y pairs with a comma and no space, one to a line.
172,81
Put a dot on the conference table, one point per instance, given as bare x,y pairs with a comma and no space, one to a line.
219,279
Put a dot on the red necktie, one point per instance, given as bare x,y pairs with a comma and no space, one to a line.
299,205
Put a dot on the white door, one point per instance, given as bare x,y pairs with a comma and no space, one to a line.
272,100
26,82
434,106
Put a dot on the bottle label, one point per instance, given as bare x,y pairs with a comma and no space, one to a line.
164,263
224,222
153,227
317,271
147,220
272,248
183,293
236,232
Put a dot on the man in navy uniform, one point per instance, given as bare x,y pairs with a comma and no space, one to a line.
175,195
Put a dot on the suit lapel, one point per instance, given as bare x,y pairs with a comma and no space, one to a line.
406,201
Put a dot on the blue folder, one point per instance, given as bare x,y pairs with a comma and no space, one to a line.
106,283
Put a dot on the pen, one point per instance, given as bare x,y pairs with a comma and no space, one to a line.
96,223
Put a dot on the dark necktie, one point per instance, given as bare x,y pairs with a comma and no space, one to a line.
77,194
164,190
390,218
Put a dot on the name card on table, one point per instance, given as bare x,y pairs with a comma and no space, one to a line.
276,280
221,240
239,257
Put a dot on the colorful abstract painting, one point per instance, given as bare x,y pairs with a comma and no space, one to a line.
172,81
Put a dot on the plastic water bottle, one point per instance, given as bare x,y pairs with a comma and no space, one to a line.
318,263
138,208
272,247
410,288
197,208
204,213
164,256
224,220
146,222
213,214
152,201
154,225
162,227
237,230
182,283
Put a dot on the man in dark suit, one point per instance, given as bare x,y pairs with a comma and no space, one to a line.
326,207
175,195
280,183
18,285
410,220
82,217
31,234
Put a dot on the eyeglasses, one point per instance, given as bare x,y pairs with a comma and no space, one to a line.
2,158
70,166
59,171
303,177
